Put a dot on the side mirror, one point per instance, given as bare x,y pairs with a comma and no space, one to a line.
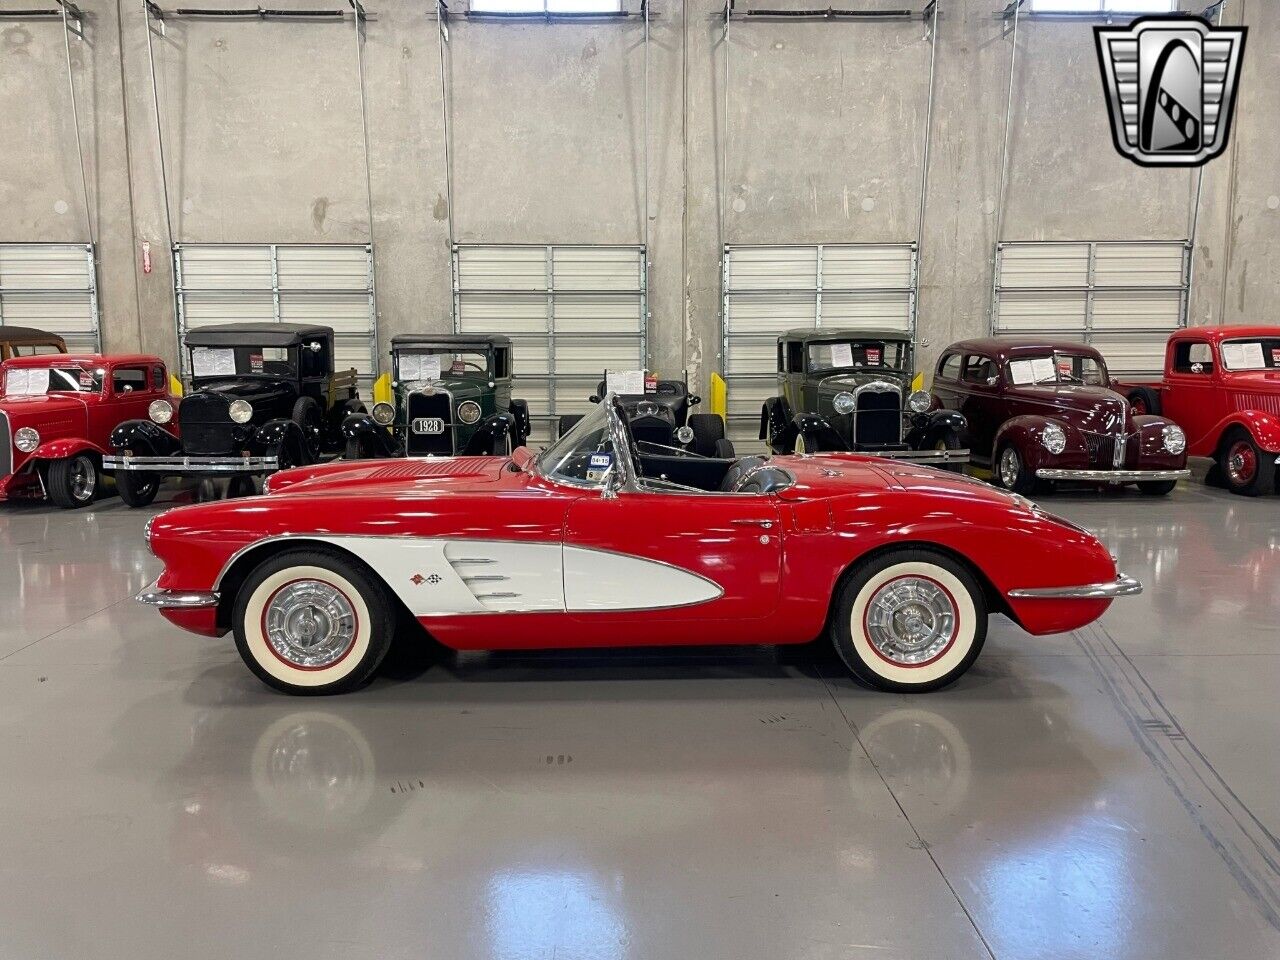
992,381
313,347
694,400
593,398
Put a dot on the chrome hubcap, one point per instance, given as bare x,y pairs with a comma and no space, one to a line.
310,624
84,479
910,620
1009,467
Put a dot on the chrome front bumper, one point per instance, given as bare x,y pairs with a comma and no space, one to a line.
924,456
1121,586
153,596
191,464
1112,476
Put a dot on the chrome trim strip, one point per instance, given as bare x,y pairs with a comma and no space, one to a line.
1112,476
945,456
152,596
1121,586
191,464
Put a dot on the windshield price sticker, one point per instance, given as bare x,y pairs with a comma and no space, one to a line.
626,383
873,356
842,355
255,363
598,466
419,366
213,362
1243,356
1275,357
29,382
1065,367
87,381
458,367
650,383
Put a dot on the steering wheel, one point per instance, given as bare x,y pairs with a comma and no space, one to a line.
665,450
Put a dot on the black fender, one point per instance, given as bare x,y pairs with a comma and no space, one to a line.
374,439
274,433
818,434
931,426
144,438
775,422
520,410
493,436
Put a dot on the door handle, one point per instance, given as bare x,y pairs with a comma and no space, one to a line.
767,524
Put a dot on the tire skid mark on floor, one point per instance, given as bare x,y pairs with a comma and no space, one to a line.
1249,850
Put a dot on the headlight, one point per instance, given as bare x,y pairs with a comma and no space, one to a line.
240,411
26,439
468,411
1175,441
685,434
383,414
161,411
919,401
844,403
1054,438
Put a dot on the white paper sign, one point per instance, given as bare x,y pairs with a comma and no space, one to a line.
213,362
842,355
1042,370
1021,373
624,382
29,382
1243,356
419,366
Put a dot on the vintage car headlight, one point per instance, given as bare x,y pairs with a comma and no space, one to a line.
1175,441
844,403
685,434
1054,438
383,414
240,411
919,401
26,439
160,411
468,411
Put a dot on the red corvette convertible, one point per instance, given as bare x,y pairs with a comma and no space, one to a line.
600,541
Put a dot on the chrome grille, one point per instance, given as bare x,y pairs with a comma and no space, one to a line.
1106,450
6,447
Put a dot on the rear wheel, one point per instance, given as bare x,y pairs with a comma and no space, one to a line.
73,482
1144,400
312,622
1246,468
137,488
909,621
1011,470
707,429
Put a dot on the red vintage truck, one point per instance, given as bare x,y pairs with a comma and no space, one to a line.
1222,386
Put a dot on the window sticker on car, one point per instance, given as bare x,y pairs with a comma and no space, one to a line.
1042,370
1275,357
419,366
1020,372
1243,356
625,382
598,466
458,367
213,362
1065,367
255,363
87,380
842,355
650,383
26,383
873,356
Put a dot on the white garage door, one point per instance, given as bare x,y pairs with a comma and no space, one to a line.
53,287
1124,298
769,290
571,311
326,284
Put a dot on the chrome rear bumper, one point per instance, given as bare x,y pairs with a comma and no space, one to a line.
153,596
1112,476
1121,586
181,464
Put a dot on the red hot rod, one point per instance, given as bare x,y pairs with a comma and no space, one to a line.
604,541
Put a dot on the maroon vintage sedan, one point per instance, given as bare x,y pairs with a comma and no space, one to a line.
1042,410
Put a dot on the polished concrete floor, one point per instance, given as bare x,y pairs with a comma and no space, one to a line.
1108,794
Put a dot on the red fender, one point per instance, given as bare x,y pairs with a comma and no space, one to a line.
63,448
1024,433
1262,426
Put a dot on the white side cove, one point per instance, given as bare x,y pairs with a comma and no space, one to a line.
441,577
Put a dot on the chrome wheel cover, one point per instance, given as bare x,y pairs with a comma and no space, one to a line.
910,620
309,624
1010,467
1242,463
84,479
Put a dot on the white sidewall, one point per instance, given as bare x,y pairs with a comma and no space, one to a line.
966,616
261,651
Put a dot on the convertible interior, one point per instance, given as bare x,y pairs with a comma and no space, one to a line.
713,474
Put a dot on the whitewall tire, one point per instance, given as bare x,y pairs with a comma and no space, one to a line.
312,622
909,621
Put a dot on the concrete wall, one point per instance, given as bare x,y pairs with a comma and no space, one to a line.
823,130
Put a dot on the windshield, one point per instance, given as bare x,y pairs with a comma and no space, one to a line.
432,363
585,456
1262,353
244,362
840,354
1058,367
60,378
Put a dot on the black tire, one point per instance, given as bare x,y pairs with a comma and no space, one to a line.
949,440
1144,400
354,449
241,486
1246,469
520,410
306,414
880,656
708,428
1016,479
359,594
1157,488
286,454
72,482
137,488
567,423
724,450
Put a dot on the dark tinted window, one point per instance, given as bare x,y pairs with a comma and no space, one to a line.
795,357
501,363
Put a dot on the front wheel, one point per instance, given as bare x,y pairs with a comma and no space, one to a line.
708,429
1246,468
1157,488
1012,472
306,414
73,481
950,440
312,622
909,621
137,488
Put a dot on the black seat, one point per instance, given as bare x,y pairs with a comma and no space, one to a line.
736,472
765,480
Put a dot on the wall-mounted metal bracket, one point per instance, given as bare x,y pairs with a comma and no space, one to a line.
254,13
829,13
